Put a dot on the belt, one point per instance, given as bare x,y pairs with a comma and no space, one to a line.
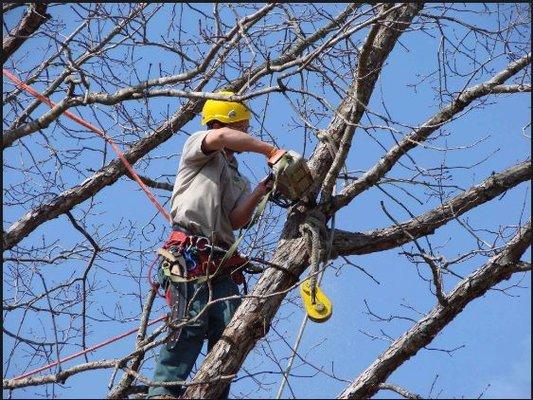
209,257
189,232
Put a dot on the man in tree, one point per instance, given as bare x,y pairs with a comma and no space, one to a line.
210,199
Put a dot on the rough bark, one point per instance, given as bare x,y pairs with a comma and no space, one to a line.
348,243
35,16
252,319
496,270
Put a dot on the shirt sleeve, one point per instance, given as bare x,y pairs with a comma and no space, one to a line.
192,150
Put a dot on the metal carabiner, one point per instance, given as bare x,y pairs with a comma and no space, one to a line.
189,260
199,240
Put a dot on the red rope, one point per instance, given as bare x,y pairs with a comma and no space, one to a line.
88,350
128,166
87,125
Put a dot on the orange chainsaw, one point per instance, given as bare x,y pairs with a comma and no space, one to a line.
292,177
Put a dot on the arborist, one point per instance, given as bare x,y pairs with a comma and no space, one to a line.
210,200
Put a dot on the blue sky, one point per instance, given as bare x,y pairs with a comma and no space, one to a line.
494,330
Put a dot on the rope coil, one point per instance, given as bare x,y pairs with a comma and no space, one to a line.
311,230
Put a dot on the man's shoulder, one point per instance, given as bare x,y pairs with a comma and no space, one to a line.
196,135
192,153
194,141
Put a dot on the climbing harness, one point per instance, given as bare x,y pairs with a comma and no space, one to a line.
187,258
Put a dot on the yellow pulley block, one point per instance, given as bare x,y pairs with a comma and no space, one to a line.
322,309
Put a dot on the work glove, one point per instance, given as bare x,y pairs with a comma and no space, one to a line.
275,155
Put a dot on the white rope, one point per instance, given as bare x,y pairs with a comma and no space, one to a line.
285,377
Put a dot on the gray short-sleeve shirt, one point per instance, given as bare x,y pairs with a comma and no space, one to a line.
206,190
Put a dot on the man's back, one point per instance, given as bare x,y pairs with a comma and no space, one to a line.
206,190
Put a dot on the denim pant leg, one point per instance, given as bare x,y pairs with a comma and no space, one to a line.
220,315
177,363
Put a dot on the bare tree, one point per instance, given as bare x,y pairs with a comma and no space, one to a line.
78,237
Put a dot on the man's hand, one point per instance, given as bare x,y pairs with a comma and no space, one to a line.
265,185
241,215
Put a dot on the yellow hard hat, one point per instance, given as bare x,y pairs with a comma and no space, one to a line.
224,111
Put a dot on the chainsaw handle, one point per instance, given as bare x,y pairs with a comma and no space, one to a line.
274,156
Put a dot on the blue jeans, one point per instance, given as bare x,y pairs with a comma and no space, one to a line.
177,363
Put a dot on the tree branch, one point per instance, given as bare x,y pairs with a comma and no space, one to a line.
385,164
35,16
401,391
347,243
151,183
496,270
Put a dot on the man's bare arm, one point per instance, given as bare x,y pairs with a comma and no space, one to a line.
232,139
242,214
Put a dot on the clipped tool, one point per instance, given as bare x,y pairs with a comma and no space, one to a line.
317,307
